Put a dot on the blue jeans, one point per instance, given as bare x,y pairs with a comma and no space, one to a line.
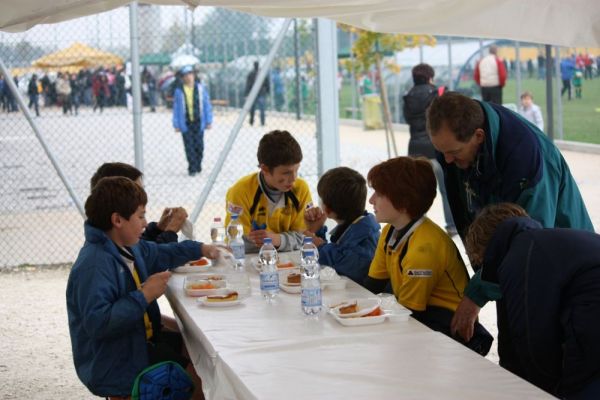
193,141
261,103
439,176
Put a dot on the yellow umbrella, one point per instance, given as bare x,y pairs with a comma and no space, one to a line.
78,55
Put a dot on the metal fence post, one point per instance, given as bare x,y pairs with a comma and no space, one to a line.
328,142
136,86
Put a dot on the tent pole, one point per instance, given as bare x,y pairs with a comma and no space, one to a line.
328,138
262,73
559,105
38,134
549,99
136,86
518,77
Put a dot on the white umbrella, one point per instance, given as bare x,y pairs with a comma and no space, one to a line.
183,60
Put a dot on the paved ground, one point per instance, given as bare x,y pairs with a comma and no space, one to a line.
35,354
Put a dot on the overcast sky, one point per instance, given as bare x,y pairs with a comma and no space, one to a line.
101,30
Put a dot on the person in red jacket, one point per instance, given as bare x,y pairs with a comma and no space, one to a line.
490,75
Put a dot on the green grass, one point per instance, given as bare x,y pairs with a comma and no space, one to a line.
581,117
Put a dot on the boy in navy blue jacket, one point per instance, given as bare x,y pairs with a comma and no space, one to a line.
114,321
343,193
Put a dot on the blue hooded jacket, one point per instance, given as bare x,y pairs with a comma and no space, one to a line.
352,253
179,121
106,311
550,284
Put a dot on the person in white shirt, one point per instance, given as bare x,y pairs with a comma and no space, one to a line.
531,111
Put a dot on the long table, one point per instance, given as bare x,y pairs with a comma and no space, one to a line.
258,350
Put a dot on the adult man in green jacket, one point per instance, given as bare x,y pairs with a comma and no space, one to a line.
491,155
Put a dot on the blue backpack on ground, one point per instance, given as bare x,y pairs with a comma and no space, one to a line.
166,380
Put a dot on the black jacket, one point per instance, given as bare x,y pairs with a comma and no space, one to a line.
416,102
550,283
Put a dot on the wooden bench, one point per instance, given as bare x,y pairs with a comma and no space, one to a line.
219,103
350,111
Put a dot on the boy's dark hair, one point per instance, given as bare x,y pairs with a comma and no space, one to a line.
526,93
115,169
115,194
422,73
278,148
343,191
407,182
460,114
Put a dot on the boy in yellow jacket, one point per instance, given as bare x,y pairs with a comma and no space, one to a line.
271,202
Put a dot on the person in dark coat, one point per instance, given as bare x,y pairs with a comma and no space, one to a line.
415,104
261,97
550,285
32,91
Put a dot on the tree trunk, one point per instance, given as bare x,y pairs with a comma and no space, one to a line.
387,115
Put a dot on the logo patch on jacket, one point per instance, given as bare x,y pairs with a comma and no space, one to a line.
420,273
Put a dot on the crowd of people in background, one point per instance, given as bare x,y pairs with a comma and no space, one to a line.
96,88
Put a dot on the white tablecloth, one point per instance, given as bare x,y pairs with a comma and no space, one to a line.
258,350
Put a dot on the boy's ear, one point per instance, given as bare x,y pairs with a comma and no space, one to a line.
264,169
116,220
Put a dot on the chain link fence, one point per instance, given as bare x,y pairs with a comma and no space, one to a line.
82,87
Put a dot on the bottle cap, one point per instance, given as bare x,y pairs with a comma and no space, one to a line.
267,240
234,216
307,239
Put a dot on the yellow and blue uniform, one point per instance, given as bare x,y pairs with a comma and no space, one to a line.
423,266
248,200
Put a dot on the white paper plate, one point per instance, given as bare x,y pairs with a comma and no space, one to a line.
203,301
290,289
359,321
334,284
220,282
188,268
365,306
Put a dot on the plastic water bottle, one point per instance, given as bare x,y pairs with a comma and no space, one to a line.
269,277
311,297
217,231
309,252
236,243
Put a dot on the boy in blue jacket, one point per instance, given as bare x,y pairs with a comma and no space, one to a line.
192,115
343,193
114,321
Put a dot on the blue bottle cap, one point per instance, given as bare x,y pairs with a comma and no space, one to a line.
267,241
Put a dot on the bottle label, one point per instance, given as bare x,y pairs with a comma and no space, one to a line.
269,281
238,250
311,297
308,253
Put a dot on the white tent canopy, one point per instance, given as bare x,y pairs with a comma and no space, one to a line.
557,22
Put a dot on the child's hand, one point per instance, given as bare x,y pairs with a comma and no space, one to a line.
209,251
155,285
164,219
314,219
176,219
259,235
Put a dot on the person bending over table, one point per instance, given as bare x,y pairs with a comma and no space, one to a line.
416,256
271,202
